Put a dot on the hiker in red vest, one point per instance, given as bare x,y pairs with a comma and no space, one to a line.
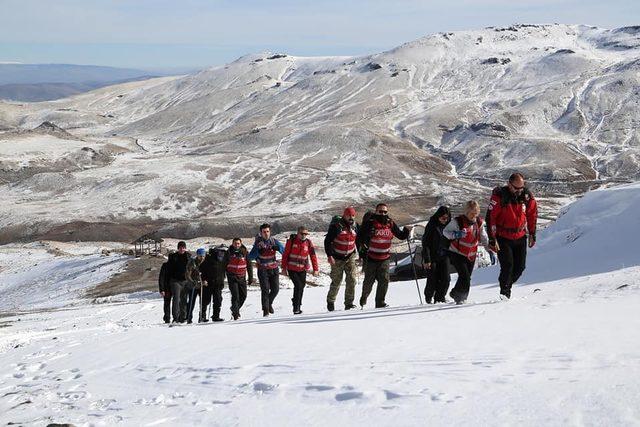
465,233
512,214
295,263
376,235
264,252
238,267
341,249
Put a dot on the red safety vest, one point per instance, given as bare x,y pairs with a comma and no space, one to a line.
237,264
297,255
266,254
345,242
380,243
468,245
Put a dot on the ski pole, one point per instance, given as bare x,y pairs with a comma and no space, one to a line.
413,267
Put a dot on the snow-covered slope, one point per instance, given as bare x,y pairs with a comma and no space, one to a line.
562,352
432,121
47,275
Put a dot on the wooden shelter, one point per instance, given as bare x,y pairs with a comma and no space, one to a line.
149,244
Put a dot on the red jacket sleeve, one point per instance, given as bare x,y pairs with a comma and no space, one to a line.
312,255
532,214
285,255
493,211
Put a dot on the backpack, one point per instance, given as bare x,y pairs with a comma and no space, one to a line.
335,220
163,278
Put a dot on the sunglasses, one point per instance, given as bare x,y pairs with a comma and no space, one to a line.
516,188
383,212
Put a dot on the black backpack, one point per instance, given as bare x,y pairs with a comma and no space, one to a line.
163,278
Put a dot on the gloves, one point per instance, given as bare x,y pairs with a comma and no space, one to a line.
275,248
532,240
459,234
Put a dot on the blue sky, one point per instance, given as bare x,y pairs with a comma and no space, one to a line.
195,33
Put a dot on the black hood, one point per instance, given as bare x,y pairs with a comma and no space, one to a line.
441,211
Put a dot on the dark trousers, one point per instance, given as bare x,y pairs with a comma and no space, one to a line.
513,257
206,300
464,267
178,300
269,286
238,288
192,294
299,279
438,280
375,271
167,307
212,293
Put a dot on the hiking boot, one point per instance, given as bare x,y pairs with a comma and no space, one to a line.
504,297
363,301
349,306
217,319
330,306
235,316
383,305
265,313
203,320
297,311
271,309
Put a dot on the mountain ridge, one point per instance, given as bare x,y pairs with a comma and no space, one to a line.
436,120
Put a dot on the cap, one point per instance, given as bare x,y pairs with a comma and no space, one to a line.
349,211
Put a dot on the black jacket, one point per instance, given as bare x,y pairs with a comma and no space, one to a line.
434,244
177,266
213,268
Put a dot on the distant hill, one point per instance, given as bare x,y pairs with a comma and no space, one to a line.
35,92
44,82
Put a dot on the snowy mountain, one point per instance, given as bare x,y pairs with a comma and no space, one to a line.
563,351
437,120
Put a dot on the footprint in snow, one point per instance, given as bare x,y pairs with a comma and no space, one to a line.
319,388
349,395
104,405
72,397
390,395
263,387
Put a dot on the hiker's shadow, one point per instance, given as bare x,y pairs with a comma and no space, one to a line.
351,315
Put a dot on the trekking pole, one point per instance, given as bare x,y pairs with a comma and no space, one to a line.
190,305
201,291
413,267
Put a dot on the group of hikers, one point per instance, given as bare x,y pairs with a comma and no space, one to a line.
508,229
